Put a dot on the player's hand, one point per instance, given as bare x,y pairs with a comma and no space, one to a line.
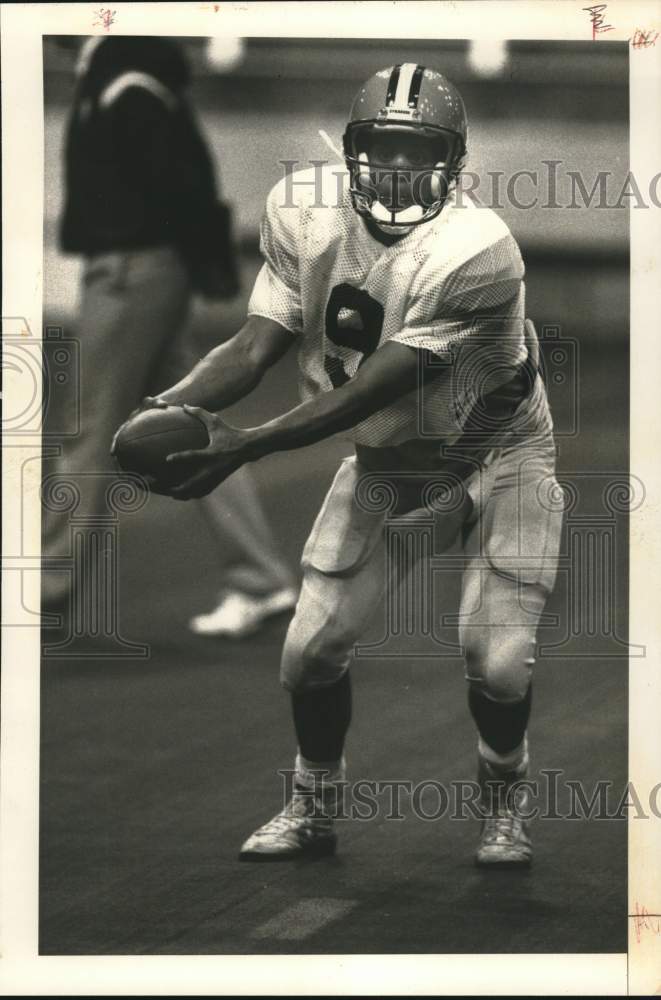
148,403
208,467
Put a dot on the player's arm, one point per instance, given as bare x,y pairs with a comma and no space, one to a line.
229,372
233,369
389,373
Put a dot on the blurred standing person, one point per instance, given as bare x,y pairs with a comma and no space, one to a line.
142,210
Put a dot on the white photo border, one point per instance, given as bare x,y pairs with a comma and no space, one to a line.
22,971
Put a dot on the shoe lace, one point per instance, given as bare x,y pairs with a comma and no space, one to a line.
299,807
501,829
279,823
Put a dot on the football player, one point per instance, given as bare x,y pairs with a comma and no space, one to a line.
406,304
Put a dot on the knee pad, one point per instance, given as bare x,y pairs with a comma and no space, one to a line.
522,540
312,658
500,666
345,532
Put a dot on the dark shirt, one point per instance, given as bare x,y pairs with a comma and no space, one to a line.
138,174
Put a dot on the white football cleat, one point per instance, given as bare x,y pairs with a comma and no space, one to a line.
504,842
302,828
240,614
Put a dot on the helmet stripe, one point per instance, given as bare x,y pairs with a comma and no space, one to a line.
416,83
405,77
392,86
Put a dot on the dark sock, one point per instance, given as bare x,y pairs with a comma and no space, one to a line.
321,719
502,725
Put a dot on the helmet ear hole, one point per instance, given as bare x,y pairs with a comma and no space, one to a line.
435,186
362,163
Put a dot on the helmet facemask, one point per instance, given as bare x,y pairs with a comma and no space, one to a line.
400,175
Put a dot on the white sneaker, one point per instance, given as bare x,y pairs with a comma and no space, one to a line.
505,841
240,614
302,828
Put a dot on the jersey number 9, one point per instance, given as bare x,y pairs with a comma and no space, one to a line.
364,340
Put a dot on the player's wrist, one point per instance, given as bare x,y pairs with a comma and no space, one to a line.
253,444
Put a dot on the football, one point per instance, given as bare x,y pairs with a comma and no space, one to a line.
144,443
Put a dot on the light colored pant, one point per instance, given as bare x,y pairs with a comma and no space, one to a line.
134,306
510,522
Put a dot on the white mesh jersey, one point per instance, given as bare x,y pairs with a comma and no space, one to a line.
452,287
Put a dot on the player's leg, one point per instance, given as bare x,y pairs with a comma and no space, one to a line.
499,624
257,581
131,305
512,550
235,513
344,576
330,617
